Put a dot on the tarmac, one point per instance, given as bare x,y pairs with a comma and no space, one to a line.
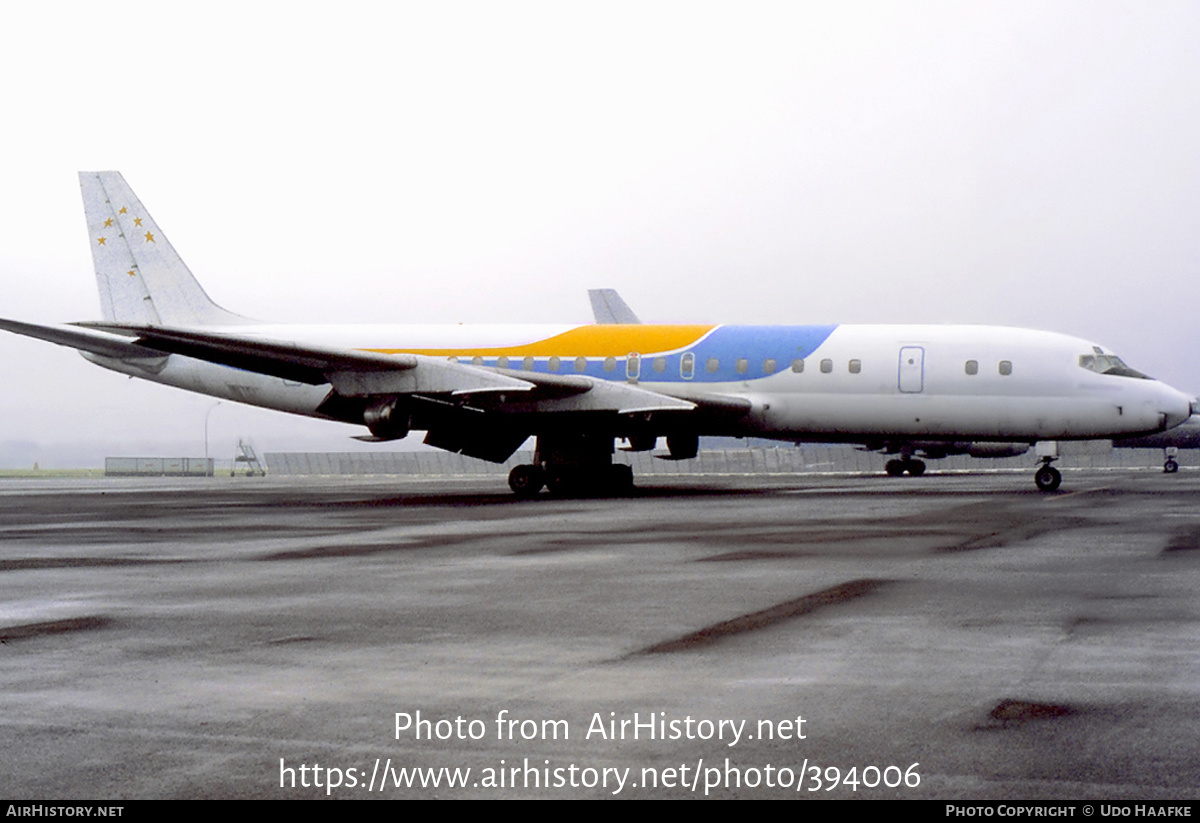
835,636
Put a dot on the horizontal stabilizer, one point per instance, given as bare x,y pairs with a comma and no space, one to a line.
96,342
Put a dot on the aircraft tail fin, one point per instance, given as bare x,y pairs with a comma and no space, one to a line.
609,309
142,279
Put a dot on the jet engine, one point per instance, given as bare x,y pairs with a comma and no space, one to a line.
984,449
683,446
386,419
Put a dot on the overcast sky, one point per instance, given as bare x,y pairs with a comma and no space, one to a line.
1015,163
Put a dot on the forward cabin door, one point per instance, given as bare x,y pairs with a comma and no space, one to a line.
912,369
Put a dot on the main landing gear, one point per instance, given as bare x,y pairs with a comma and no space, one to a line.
1047,477
572,465
895,468
528,480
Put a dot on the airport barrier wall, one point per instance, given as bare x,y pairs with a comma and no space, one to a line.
158,467
781,460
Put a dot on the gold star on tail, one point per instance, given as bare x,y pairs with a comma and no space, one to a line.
149,237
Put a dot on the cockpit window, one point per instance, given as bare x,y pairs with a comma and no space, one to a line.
1109,364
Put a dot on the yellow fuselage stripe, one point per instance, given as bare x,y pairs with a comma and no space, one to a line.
585,341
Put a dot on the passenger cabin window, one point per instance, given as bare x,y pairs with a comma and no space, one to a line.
527,364
610,364
502,362
826,366
554,364
712,365
1108,364
769,366
1006,367
855,366
687,366
798,365
972,367
633,367
580,364
477,360
742,365
660,365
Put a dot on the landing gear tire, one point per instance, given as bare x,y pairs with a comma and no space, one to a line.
1047,479
526,480
1170,467
896,468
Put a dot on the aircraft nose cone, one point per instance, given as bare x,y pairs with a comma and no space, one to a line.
1178,408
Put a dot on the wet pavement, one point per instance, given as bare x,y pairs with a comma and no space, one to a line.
216,637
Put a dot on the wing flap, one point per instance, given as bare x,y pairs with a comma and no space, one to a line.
576,393
429,375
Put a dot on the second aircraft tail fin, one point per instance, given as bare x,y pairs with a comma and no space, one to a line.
142,279
608,308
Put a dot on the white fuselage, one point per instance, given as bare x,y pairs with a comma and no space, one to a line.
847,383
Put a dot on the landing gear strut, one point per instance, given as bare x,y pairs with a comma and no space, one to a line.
1047,477
895,468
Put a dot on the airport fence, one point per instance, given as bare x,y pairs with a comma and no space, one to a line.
158,467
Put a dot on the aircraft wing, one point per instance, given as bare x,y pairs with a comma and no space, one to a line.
353,372
359,373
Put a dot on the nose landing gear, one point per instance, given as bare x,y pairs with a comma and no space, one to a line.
1170,465
1047,477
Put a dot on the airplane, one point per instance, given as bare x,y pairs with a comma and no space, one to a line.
1184,436
482,391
